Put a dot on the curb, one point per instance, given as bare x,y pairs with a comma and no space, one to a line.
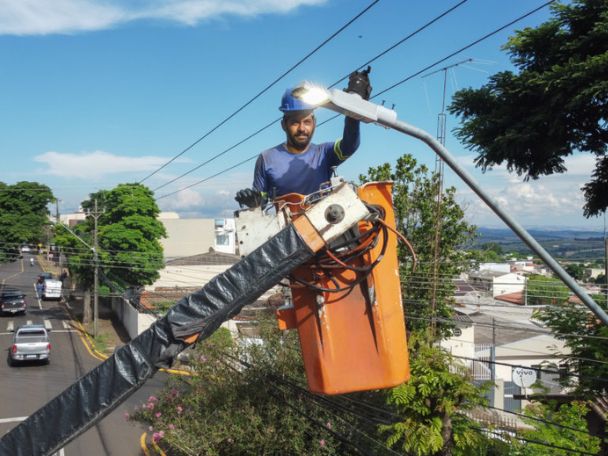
90,346
157,451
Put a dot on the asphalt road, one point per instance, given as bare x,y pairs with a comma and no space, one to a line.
25,388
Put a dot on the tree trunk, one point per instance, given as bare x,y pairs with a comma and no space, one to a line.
86,308
446,434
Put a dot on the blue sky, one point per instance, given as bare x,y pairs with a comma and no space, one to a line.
98,92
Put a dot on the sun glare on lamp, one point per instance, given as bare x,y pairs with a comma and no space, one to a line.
311,94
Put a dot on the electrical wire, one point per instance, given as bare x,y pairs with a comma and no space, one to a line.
395,418
540,369
544,421
534,442
488,35
386,51
265,89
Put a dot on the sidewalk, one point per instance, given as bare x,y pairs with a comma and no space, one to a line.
110,332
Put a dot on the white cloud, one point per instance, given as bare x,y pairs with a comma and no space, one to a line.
550,200
94,165
41,17
186,200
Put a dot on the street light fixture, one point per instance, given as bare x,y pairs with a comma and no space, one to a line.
353,105
349,104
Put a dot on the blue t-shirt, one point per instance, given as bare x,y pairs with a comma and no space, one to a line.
278,171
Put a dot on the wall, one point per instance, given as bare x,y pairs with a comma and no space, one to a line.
187,276
134,321
463,345
508,283
187,237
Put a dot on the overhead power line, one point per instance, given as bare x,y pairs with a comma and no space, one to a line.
531,441
479,40
539,369
265,89
542,420
373,59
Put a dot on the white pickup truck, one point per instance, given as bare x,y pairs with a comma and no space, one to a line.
30,343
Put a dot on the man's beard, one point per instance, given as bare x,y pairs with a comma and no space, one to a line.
300,144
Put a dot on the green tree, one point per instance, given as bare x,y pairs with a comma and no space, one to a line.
557,102
229,407
585,337
576,270
545,290
415,203
569,416
431,404
489,252
23,215
128,234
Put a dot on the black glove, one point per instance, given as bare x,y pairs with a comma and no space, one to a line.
358,82
249,197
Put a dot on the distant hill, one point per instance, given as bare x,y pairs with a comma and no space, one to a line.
561,243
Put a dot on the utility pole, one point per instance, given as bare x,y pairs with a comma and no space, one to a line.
57,223
605,261
493,362
95,214
441,122
606,266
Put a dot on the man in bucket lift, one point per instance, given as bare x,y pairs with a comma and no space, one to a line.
297,165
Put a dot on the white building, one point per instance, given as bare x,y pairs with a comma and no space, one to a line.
495,267
498,283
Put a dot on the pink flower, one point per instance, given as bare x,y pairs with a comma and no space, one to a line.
157,436
157,414
171,427
179,409
127,416
322,443
328,425
150,406
152,399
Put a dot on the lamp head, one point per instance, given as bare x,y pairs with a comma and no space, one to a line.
311,94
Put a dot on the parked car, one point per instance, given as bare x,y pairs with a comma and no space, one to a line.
12,301
30,343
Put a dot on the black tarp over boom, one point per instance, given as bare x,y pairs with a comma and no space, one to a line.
104,388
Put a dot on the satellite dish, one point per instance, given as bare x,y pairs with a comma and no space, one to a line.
523,377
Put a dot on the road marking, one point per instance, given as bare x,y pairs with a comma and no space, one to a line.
13,420
18,419
65,324
11,326
47,325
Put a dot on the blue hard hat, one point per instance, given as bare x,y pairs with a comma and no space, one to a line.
290,103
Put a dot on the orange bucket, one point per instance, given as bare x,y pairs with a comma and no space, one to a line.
353,340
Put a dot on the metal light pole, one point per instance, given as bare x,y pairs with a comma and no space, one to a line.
354,106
